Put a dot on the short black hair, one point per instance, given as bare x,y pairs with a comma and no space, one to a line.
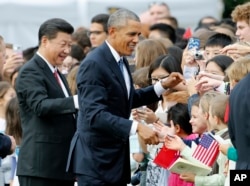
77,52
165,30
51,27
179,115
219,39
101,19
222,61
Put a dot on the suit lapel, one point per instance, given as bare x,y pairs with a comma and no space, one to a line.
48,73
130,76
112,63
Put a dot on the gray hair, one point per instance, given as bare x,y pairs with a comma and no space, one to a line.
120,18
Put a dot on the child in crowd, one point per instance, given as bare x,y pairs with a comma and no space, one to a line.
178,118
159,69
215,43
237,70
217,106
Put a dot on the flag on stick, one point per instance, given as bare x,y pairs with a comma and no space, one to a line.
207,150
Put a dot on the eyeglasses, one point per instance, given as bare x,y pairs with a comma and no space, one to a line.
89,33
156,79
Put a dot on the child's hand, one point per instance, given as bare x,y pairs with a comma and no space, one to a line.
164,129
174,142
189,177
146,115
224,148
135,115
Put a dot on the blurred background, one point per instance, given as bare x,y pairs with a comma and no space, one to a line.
20,19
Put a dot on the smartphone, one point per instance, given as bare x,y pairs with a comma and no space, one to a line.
18,49
141,109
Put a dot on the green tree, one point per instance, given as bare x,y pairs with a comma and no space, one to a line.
229,6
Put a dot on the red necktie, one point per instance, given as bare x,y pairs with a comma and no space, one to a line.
57,77
226,116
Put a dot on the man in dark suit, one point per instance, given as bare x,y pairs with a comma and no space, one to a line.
47,110
99,153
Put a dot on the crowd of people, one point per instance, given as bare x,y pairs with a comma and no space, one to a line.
84,103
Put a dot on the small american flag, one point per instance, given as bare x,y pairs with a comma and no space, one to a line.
207,150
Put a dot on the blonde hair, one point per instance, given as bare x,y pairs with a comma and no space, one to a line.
239,69
218,106
148,50
205,100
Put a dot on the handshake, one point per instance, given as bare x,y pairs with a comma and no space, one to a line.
156,135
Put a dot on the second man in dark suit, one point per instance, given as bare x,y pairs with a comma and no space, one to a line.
100,148
47,110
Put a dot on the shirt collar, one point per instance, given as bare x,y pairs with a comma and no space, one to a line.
52,68
113,51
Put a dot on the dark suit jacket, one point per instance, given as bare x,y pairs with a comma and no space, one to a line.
5,145
239,122
47,121
100,147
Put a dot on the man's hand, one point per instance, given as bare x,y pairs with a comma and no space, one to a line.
147,135
171,81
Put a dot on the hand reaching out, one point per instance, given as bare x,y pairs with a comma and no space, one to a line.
145,114
206,83
163,130
147,134
174,142
172,80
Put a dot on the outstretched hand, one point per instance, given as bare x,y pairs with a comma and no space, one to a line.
172,80
163,130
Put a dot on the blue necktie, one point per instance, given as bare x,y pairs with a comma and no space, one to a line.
121,63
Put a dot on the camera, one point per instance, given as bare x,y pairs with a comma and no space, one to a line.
198,55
